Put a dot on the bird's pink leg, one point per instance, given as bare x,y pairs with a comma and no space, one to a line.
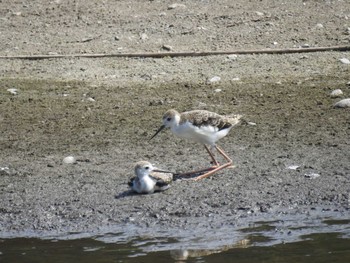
218,168
216,164
228,159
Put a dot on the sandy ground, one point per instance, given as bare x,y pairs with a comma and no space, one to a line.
295,160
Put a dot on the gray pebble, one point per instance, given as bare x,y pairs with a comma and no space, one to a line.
214,79
174,6
13,91
312,175
167,47
344,61
336,93
343,103
232,57
69,160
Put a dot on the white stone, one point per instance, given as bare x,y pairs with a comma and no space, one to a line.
173,6
319,25
236,79
293,167
214,79
347,31
344,61
312,175
232,57
336,93
91,99
218,90
251,123
69,160
167,47
343,103
4,171
13,91
143,36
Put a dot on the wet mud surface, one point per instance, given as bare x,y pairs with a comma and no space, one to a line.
292,157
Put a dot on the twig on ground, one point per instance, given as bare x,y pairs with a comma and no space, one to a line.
183,54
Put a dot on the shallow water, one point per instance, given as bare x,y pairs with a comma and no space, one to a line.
275,241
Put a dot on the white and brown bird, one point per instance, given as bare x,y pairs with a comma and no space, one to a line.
204,127
144,182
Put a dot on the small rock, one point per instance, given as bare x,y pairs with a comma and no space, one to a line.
344,61
275,43
13,91
293,167
69,160
251,123
347,31
214,79
174,6
305,45
86,39
348,84
263,209
4,171
343,103
218,90
236,79
319,25
336,93
167,47
232,57
312,175
91,99
143,36
259,13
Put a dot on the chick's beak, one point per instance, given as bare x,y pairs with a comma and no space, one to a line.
159,130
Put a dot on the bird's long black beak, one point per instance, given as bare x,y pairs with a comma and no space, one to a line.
159,130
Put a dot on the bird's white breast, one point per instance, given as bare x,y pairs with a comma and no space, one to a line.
145,185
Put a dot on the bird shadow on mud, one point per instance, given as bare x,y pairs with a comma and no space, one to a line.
127,193
131,193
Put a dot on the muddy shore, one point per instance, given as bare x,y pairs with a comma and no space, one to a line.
293,160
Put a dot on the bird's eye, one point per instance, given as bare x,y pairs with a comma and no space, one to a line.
168,119
146,167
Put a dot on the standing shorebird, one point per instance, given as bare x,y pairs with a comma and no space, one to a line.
204,127
144,183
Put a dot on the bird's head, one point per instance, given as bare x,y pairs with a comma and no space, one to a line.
170,118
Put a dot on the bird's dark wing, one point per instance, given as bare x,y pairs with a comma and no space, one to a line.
161,186
161,183
131,181
204,118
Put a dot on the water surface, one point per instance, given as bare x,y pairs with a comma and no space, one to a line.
274,241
